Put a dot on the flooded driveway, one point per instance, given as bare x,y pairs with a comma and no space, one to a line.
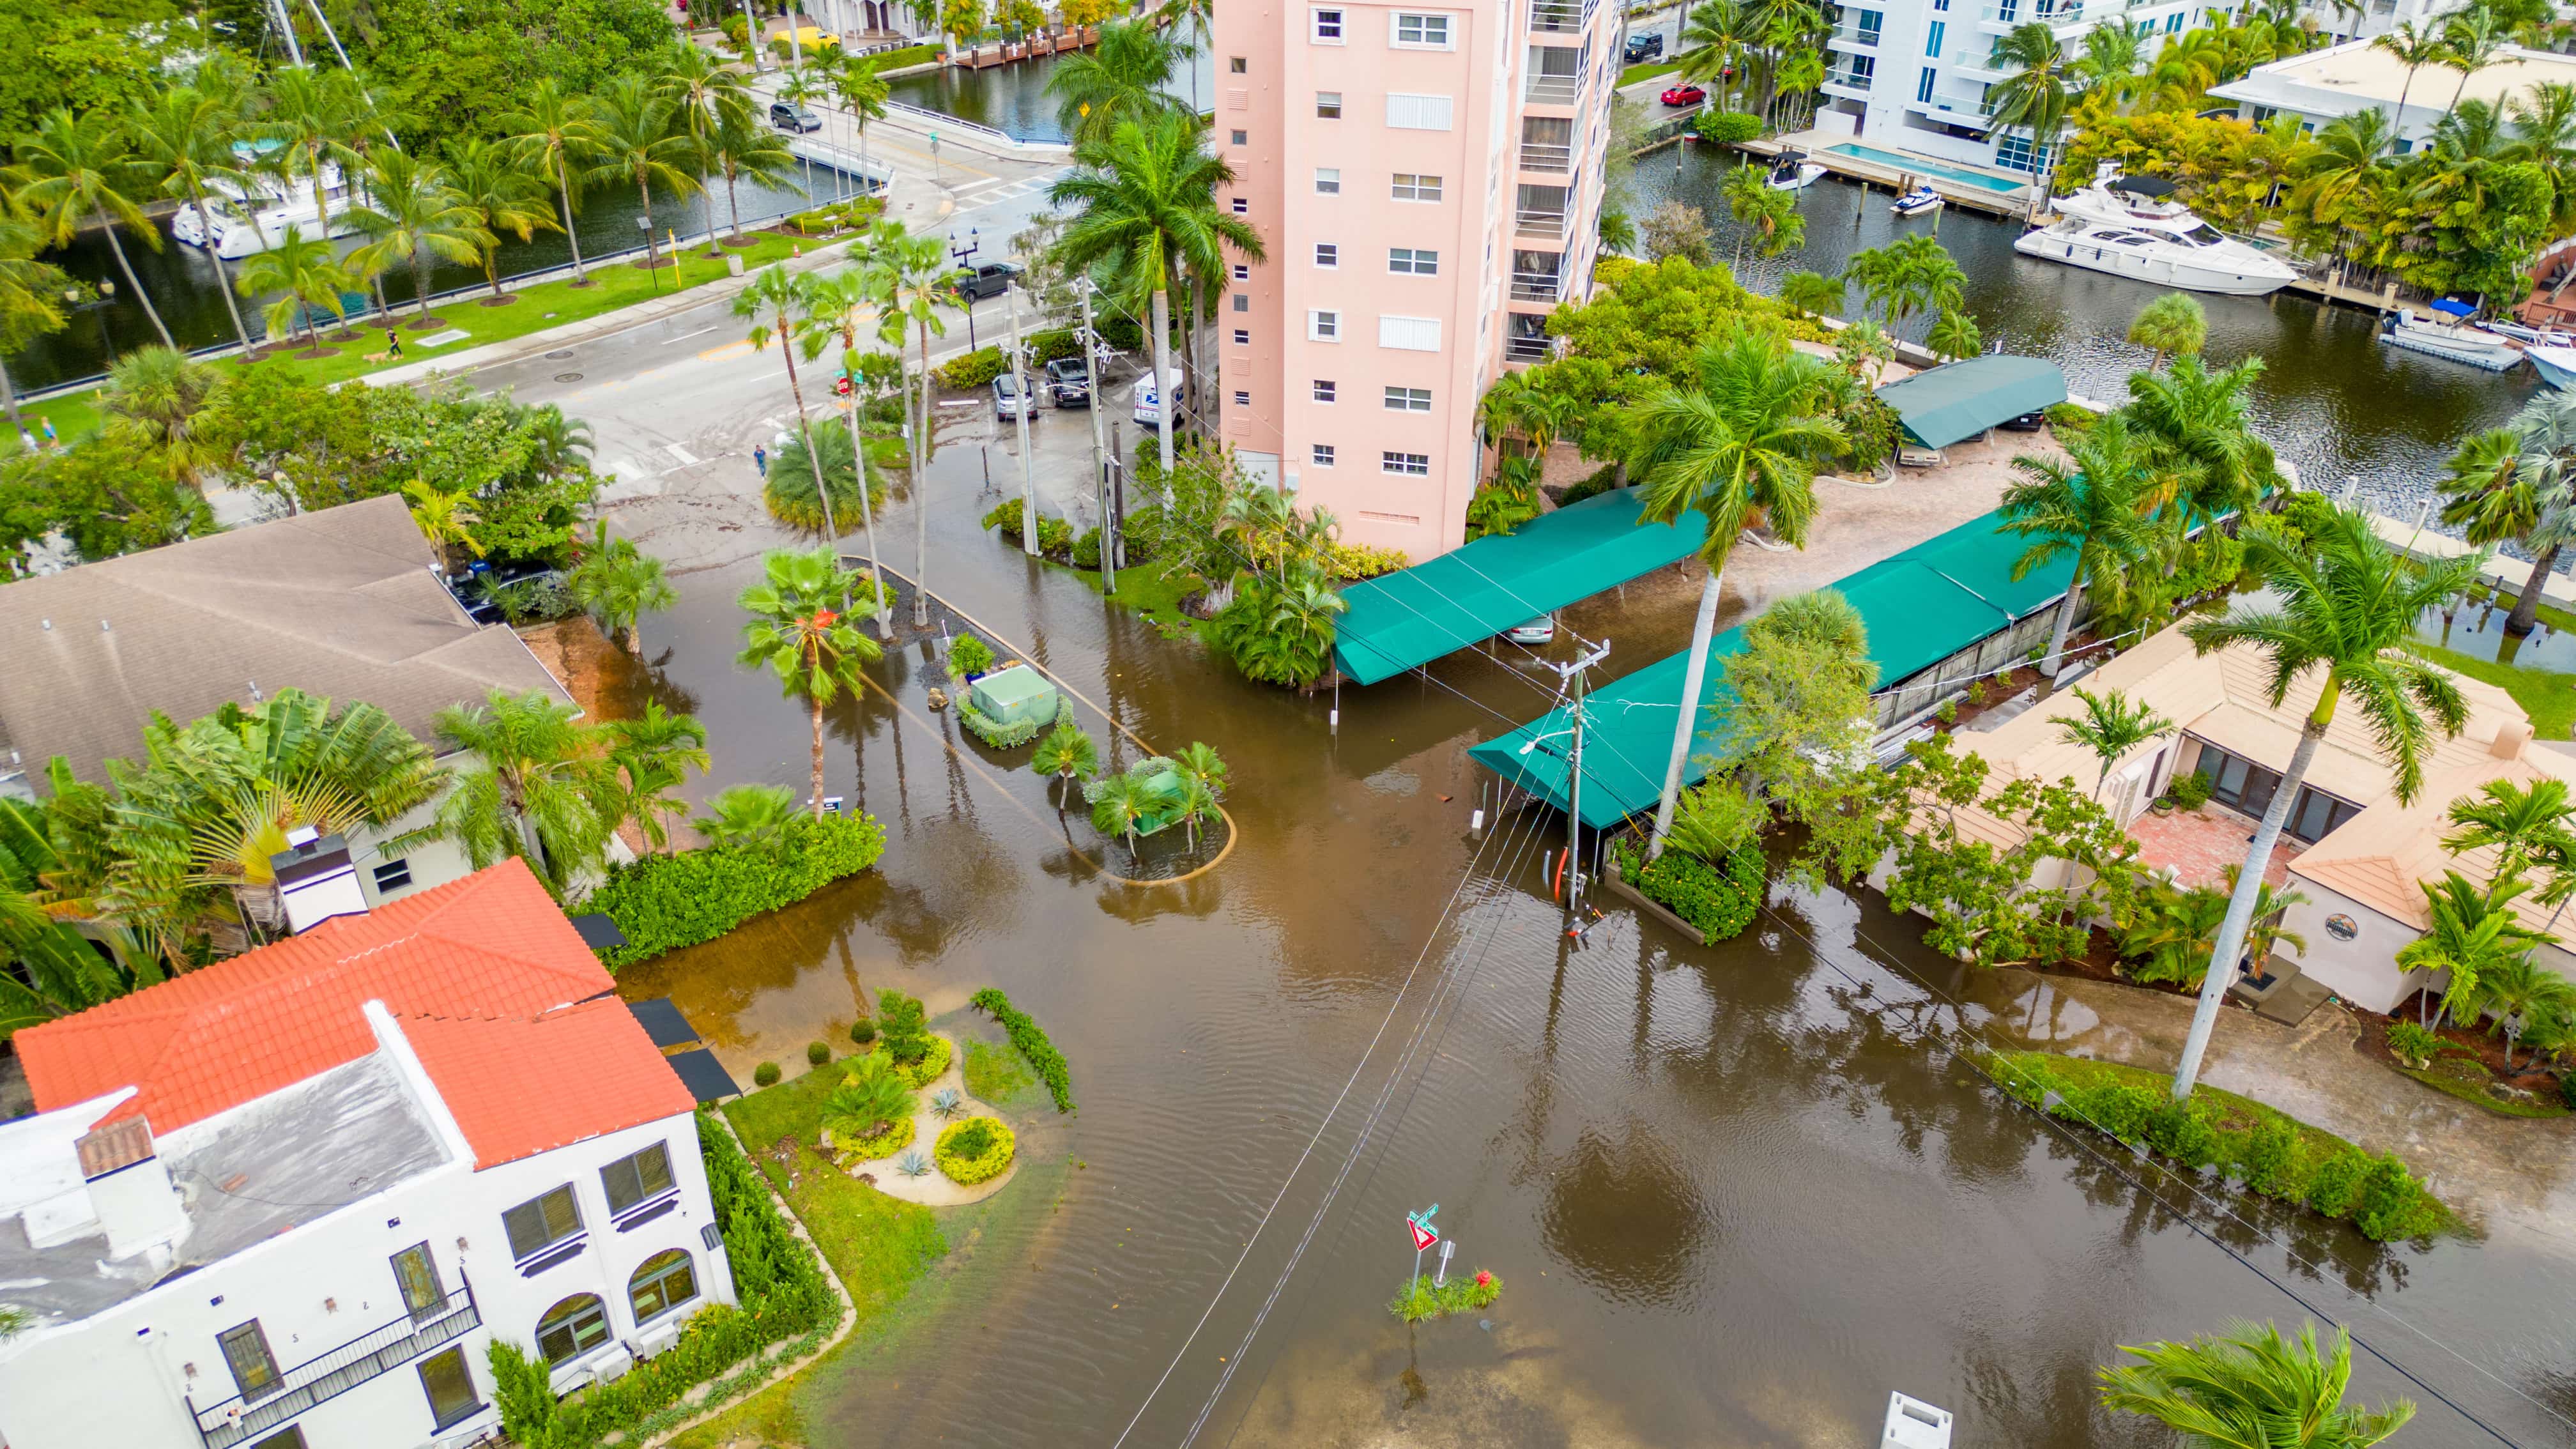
1737,1194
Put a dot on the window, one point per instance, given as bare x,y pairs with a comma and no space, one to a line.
1328,254
1242,273
1237,65
637,1179
417,1274
1323,326
1941,4
2173,22
1410,465
1408,399
1328,27
1324,390
1328,105
541,1222
1870,23
664,1282
1243,206
1410,334
1323,455
246,1353
1932,39
1923,86
290,1437
1328,181
2242,785
450,1387
1409,187
1422,32
572,1328
1243,337
1242,302
1417,113
1238,138
1409,261
2016,153
1242,398
393,875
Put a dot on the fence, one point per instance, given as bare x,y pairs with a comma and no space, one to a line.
936,121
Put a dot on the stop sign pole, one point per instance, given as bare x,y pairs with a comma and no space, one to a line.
1424,1235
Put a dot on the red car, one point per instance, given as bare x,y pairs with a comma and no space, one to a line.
1685,96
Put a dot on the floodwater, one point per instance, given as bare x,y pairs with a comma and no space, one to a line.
1738,1195
2333,399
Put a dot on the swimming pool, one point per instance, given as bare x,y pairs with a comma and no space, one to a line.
1922,167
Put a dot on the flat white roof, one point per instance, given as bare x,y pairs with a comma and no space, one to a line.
2342,79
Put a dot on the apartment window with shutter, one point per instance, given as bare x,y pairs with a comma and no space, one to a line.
1408,399
1238,138
1243,206
1323,455
1328,255
1421,32
1242,302
1324,390
1410,187
1242,273
1409,334
632,1180
1243,337
1328,181
1418,113
1242,398
1413,261
1328,27
541,1222
1328,105
1410,465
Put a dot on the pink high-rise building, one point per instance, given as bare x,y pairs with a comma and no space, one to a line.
1427,182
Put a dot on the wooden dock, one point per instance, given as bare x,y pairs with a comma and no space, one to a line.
981,57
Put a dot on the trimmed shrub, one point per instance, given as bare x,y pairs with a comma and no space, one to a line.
975,1150
1031,1043
817,1054
1086,549
1055,536
900,1018
2071,418
765,1075
2270,1161
2393,1204
933,1062
863,1031
1719,904
1122,334
1361,560
2123,1111
1728,128
2336,1184
876,1146
971,370
998,734
1601,480
2177,1131
1053,344
664,902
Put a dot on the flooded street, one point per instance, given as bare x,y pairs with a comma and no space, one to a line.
1737,1194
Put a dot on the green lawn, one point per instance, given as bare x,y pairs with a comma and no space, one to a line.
2549,698
1151,591
997,1075
877,1244
2474,1089
1644,68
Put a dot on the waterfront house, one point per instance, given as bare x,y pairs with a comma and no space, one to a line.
2343,80
288,1200
343,602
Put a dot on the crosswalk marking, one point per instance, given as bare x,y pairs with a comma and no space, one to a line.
687,458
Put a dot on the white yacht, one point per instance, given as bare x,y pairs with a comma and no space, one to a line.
2130,226
254,217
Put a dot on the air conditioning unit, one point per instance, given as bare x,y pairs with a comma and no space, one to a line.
613,1365
1914,1424
652,1341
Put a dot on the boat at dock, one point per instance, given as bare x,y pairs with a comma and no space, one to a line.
2450,340
1792,171
2556,365
249,211
1917,202
2130,226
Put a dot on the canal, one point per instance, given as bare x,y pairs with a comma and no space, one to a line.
1013,99
1737,1194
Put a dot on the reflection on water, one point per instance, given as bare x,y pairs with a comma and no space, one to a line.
2477,630
1012,98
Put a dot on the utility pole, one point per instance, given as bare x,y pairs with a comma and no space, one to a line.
1028,463
1093,354
1572,674
1117,483
751,35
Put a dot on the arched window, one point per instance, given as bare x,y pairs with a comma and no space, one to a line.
666,1281
573,1327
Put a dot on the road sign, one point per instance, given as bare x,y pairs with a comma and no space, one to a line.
1424,1235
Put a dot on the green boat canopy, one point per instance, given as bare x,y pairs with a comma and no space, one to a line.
1470,594
1962,399
1921,606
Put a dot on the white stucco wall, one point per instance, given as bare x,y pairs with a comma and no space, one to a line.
2363,970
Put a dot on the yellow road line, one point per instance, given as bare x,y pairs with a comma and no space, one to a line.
726,353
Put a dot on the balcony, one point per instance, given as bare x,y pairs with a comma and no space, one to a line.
1536,287
1538,156
1552,90
317,1380
1560,17
1527,349
1971,111
2058,17
1547,224
1858,80
1850,33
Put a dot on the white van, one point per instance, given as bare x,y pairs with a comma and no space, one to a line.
1149,403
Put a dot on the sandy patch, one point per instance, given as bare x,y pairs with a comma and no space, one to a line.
935,1189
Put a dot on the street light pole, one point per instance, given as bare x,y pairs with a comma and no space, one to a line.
1573,675
1093,355
1028,463
966,292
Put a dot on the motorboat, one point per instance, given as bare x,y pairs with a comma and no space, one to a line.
2448,336
1792,171
250,211
2131,226
2556,365
1920,200
2544,336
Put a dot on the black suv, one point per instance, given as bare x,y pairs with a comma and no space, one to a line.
1644,47
989,280
791,117
1068,380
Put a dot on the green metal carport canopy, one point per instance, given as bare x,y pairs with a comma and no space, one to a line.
1470,594
1961,399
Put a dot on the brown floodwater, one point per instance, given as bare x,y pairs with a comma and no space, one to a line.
1737,1194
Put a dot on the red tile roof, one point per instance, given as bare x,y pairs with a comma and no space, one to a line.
484,966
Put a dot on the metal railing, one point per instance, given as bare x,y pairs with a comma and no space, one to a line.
1536,286
1980,110
1536,156
1553,90
1539,223
1856,79
1559,17
318,1380
1853,34
1527,349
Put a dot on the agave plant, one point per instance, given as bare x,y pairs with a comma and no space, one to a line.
913,1164
946,1101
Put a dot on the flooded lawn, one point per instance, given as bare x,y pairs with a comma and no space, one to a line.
1737,1194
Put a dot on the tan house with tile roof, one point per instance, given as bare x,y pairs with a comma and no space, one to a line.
2349,845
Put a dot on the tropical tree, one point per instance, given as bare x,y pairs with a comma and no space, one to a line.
1195,802
2094,503
1953,334
786,307
2518,482
2114,52
182,140
2043,85
2471,41
2523,824
2111,726
705,94
653,754
1282,633
1119,803
2171,325
1199,762
1066,753
802,629
1909,275
1714,39
1812,293
1123,78
2198,427
2348,606
554,136
740,148
2470,933
907,276
414,213
1737,438
619,584
312,114
2521,994
839,302
154,394
31,294
2251,1388
446,519
872,1097
635,139
2337,180
746,815
71,172
1143,202
539,787
306,277
493,186
862,93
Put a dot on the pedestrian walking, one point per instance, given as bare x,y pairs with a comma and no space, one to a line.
760,460
48,425
393,344
26,440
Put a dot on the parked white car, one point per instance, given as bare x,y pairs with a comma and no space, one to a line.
1148,401
1540,630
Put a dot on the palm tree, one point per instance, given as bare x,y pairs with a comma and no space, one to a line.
413,213
2251,1388
2112,725
156,393
314,112
182,139
304,274
785,307
31,295
747,816
1738,437
2544,126
2114,52
1714,39
2522,824
1813,293
2471,933
2199,425
619,583
540,788
870,1099
2519,992
555,137
1953,334
862,93
1909,275
1195,802
1066,753
740,148
704,93
1144,206
492,184
71,172
1119,803
908,277
2519,482
653,754
802,85
839,301
1121,79
634,140
446,519
2043,86
801,630
2348,604
2415,48
2470,43
2335,177
2095,503
1199,762
2171,325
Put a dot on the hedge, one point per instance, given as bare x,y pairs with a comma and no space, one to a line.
1728,128
1719,904
783,1295
994,732
663,902
1031,1043
971,370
